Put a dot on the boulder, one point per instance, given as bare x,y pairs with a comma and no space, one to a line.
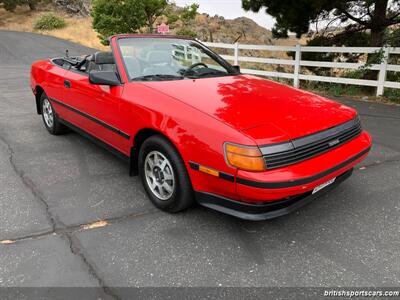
81,7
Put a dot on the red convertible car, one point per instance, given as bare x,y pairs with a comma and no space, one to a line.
197,130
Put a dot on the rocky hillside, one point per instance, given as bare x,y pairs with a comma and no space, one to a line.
219,29
74,7
207,28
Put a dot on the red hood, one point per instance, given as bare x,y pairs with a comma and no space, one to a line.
267,111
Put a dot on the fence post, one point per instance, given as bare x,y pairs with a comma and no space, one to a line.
297,66
382,72
236,54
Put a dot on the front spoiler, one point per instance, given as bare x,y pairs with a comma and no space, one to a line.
265,211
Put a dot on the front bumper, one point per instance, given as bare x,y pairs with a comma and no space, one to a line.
267,210
301,177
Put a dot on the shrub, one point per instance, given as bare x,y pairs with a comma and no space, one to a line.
49,22
117,16
392,95
186,32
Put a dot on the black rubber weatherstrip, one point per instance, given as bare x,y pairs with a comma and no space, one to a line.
221,175
286,184
109,127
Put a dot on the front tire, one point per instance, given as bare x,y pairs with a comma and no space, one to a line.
50,119
164,175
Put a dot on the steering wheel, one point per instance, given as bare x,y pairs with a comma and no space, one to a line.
196,65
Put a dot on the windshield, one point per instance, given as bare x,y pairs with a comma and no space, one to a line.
156,59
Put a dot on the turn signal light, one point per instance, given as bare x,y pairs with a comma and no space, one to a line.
208,171
248,158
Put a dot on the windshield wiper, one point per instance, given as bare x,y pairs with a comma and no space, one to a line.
206,74
158,77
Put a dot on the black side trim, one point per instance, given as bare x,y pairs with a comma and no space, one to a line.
194,166
109,127
264,211
285,184
95,140
221,175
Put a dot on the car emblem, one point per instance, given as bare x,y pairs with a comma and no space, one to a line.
333,143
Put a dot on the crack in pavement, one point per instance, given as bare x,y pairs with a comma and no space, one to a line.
64,231
77,249
29,184
80,227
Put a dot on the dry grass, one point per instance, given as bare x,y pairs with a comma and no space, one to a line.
78,29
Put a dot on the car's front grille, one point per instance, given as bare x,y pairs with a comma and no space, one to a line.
304,148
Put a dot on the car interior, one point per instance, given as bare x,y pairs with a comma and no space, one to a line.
159,58
155,61
99,61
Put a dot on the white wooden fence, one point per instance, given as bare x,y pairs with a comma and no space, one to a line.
383,67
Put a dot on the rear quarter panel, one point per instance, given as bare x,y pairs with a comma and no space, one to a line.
49,77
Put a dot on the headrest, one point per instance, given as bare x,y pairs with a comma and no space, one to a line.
158,56
102,58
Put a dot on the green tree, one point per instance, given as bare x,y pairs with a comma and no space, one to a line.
188,13
374,16
152,10
12,4
117,16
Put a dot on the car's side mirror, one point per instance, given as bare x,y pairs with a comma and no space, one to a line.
104,78
236,68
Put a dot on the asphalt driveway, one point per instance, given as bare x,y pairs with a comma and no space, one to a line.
53,190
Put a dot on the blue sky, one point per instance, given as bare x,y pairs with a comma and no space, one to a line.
229,9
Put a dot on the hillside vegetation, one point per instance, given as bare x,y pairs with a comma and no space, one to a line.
79,27
207,28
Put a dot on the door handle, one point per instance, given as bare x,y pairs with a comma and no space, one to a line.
67,84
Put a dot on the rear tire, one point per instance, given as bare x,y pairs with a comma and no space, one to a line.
49,116
164,175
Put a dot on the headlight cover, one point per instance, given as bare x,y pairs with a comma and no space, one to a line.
247,158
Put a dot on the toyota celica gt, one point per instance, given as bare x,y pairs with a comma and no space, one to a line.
195,129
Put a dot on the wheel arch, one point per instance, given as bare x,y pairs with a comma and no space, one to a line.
38,93
142,135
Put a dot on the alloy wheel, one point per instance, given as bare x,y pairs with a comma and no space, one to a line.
159,175
48,113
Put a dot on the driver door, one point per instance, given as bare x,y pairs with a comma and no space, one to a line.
95,108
